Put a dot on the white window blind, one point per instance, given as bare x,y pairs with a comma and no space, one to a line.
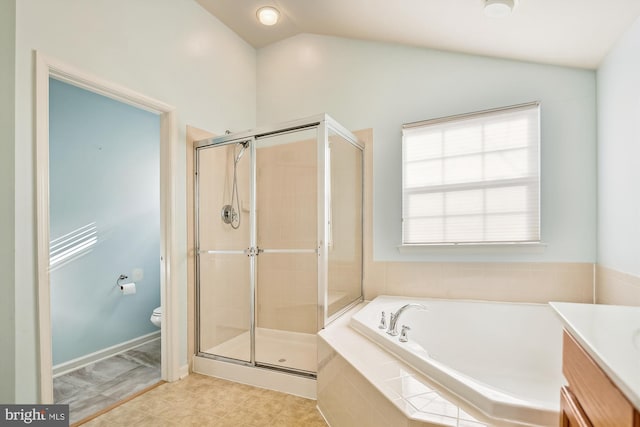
472,178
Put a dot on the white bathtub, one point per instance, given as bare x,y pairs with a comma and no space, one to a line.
502,358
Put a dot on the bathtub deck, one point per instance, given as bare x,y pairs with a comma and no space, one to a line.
419,400
502,358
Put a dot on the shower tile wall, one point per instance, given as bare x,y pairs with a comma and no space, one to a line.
287,219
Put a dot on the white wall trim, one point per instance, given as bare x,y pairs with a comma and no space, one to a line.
184,371
46,67
80,362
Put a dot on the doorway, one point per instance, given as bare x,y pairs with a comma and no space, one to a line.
86,236
104,271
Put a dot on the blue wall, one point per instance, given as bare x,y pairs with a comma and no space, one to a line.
104,170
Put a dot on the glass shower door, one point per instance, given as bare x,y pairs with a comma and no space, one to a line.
224,219
345,259
278,241
287,266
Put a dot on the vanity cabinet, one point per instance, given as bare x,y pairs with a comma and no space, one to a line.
571,413
591,399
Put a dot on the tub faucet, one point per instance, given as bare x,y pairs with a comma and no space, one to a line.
393,318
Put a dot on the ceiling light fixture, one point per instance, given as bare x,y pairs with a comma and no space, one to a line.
268,15
498,8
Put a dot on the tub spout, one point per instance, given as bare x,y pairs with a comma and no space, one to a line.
393,317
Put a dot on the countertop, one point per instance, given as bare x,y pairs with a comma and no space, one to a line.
610,334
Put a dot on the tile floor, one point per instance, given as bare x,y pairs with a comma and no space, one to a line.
200,400
95,387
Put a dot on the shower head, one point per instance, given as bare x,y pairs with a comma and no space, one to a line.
231,212
244,145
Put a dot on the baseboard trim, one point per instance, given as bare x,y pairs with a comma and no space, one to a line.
80,362
183,372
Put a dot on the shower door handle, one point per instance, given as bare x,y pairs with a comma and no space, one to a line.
222,252
289,251
253,251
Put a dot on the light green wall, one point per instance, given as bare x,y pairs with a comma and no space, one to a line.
7,199
381,86
619,155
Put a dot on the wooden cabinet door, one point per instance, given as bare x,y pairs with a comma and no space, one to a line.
571,413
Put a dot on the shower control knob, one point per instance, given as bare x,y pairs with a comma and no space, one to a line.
228,214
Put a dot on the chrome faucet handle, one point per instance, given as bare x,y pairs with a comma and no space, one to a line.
383,321
403,334
393,319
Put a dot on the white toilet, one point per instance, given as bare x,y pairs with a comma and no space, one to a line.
156,317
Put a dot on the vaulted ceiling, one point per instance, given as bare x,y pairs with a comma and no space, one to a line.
575,33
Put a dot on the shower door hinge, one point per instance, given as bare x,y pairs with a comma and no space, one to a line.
253,251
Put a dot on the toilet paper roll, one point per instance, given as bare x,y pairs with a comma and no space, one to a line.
128,288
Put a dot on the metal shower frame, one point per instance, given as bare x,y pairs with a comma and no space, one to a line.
324,124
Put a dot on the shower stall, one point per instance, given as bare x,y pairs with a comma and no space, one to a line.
278,241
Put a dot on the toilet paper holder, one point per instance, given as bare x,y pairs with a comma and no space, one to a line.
121,277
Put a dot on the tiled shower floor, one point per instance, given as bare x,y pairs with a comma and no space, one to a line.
97,386
274,347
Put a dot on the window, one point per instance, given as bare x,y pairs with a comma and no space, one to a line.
473,178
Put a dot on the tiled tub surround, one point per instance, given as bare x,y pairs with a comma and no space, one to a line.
499,281
361,383
617,288
504,358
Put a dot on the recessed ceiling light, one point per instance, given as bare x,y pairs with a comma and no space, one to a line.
498,8
268,15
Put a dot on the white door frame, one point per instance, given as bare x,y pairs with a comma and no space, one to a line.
48,67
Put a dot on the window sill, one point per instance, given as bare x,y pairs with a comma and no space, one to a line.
475,248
